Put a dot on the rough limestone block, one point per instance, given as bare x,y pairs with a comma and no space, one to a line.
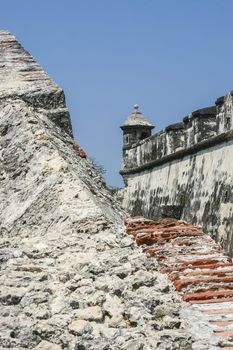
45,345
78,327
92,313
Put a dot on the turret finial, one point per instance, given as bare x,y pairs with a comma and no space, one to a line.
136,107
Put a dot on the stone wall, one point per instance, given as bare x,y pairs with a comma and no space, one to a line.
70,277
21,77
186,171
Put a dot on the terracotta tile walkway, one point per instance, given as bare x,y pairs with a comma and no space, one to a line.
198,268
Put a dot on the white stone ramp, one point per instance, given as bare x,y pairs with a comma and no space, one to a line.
70,277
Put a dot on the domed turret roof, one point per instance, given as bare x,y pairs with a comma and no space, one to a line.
137,119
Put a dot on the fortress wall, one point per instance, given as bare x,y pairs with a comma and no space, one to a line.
195,128
186,170
224,107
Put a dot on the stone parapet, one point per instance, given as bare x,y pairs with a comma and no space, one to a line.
198,130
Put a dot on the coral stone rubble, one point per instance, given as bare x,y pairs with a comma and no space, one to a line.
70,278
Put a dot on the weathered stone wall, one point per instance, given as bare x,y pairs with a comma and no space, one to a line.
70,278
199,126
22,77
186,170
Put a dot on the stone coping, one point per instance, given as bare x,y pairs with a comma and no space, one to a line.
211,142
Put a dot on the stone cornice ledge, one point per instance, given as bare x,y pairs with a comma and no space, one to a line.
224,137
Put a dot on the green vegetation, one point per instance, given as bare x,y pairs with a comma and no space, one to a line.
182,198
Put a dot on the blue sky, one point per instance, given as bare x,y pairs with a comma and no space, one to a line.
169,56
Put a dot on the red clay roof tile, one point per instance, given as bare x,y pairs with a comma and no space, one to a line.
196,265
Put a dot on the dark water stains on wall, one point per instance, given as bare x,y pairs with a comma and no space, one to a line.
186,170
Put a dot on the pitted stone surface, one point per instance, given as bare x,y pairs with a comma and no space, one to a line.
21,76
70,277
